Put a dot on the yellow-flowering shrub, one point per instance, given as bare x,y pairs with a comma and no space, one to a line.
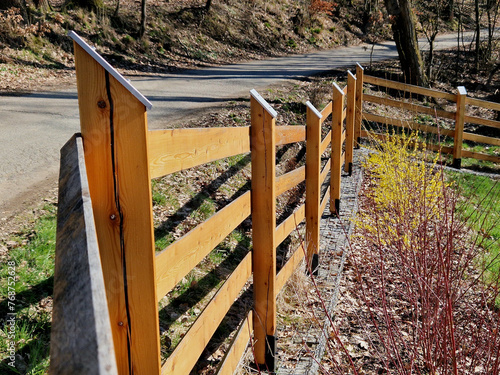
408,191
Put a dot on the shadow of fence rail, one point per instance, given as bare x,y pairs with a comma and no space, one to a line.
108,277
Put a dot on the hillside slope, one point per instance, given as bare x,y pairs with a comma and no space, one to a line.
179,34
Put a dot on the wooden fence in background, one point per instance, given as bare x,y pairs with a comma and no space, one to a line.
129,279
457,117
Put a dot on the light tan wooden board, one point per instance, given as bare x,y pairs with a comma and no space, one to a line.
178,259
409,88
289,180
177,149
416,108
187,352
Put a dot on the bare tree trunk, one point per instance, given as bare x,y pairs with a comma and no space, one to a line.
451,14
405,36
142,29
478,36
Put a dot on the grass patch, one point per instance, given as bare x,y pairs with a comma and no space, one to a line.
481,208
32,251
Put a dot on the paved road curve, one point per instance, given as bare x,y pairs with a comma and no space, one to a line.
34,127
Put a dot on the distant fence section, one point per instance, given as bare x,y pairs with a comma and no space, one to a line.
452,120
109,279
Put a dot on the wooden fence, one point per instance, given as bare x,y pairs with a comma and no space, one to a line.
113,215
457,117
109,279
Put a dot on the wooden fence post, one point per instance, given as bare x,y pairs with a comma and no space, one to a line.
337,127
313,186
114,130
359,104
459,127
349,126
263,151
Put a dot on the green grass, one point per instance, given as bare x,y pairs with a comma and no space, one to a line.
481,208
33,256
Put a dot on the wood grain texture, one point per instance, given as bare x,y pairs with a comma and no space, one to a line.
263,226
290,134
358,114
326,142
237,348
177,149
289,180
289,268
178,259
459,123
337,130
327,111
81,338
349,121
409,88
114,131
313,183
416,108
187,352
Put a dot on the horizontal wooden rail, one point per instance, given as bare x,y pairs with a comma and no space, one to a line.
344,113
289,180
408,124
343,137
290,134
327,111
482,103
409,106
177,149
480,156
324,201
324,172
409,88
238,346
289,268
81,337
325,142
187,352
173,263
482,139
344,90
290,223
482,121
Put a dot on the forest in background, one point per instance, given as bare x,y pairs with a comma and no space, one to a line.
162,35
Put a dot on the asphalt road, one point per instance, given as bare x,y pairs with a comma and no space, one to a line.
34,127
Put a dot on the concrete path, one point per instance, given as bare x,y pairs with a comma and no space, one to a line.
34,127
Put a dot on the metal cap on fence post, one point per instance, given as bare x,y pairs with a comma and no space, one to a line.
337,127
263,150
349,128
114,130
459,127
359,104
313,186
